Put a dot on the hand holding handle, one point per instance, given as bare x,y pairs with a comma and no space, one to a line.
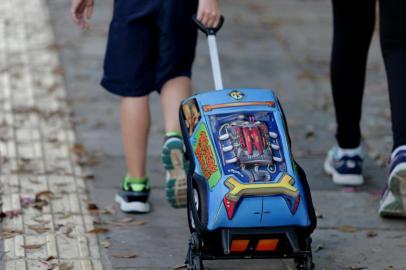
208,31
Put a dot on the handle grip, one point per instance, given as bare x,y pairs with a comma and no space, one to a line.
208,31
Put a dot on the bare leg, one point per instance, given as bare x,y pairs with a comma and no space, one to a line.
135,122
172,93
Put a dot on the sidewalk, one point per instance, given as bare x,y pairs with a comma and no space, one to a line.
278,44
45,216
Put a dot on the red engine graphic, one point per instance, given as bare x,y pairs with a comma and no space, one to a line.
250,145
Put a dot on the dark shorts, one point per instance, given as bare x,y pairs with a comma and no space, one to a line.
149,43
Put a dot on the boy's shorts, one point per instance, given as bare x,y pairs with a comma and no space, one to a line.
149,43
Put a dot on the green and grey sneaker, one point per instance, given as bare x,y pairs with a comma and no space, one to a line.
133,197
176,166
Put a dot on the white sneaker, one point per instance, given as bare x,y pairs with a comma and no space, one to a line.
393,202
345,166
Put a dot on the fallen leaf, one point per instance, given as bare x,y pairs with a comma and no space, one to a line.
39,204
35,182
124,255
68,229
38,228
309,133
65,215
61,184
88,176
50,258
105,243
318,248
92,206
99,230
347,229
10,214
319,215
371,234
182,266
34,246
126,221
26,201
6,233
88,162
79,150
46,194
65,266
398,236
99,222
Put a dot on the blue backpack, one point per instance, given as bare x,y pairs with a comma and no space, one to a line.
247,197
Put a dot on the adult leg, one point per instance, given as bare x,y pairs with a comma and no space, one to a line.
353,27
393,42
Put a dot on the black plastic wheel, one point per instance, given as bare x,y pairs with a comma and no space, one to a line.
193,260
197,264
305,261
195,242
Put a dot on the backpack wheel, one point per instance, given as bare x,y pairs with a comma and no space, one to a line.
193,260
305,261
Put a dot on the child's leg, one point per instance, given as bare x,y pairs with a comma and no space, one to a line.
135,122
172,93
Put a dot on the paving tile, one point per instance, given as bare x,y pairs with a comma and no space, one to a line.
40,180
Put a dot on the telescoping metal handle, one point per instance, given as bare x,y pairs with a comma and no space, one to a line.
214,55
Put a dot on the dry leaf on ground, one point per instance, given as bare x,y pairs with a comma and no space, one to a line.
124,255
34,246
88,176
182,266
45,194
371,234
10,214
347,229
126,222
68,229
105,243
92,207
41,221
99,230
7,233
65,266
79,149
38,228
26,201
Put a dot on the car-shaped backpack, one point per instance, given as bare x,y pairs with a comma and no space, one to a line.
247,197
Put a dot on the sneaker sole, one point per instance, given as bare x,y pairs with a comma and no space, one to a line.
132,207
176,179
342,180
397,185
